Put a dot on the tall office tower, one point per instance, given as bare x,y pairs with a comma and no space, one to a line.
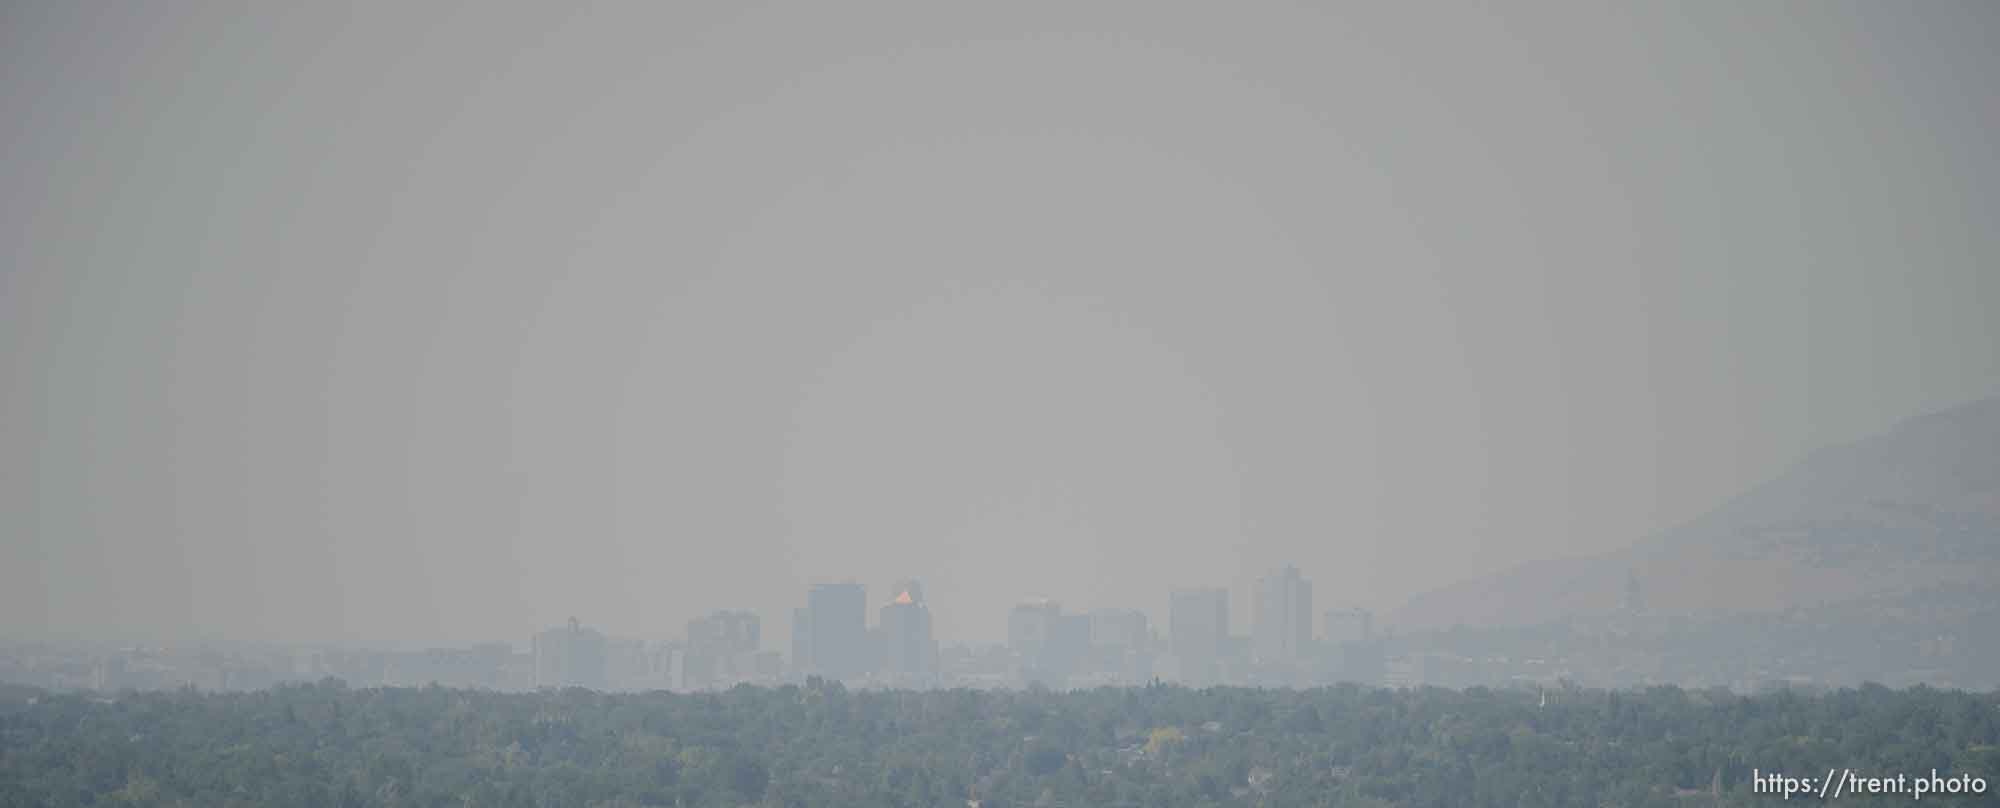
908,647
802,656
839,616
720,646
1068,646
1283,630
1121,644
1049,644
1198,628
1030,626
571,656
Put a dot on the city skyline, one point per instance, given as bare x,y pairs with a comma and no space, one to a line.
910,590
444,323
999,404
833,639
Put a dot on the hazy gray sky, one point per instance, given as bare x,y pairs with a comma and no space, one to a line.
405,322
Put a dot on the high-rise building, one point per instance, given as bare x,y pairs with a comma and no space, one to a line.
1069,644
838,617
1118,628
1198,629
802,657
1048,644
1121,644
673,666
908,647
909,588
1283,619
1029,627
571,656
719,648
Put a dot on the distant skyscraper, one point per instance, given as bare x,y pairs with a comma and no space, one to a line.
1121,644
1069,644
572,656
1029,627
1047,642
907,643
719,647
909,588
1283,620
838,614
1198,628
802,657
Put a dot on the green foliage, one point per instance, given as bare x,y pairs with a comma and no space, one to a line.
822,745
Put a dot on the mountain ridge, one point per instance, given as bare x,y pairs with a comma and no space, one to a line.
1912,507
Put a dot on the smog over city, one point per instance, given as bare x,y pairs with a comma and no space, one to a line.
1136,361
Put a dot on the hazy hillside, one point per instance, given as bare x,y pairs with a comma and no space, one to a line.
1907,510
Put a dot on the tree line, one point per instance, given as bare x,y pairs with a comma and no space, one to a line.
328,745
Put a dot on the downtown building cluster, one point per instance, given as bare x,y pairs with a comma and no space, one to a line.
835,636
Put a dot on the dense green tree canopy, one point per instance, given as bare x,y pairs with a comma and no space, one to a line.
823,745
